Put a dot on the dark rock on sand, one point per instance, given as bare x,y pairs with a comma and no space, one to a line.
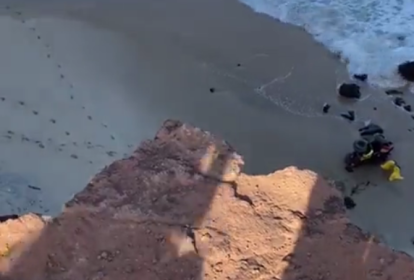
371,129
349,91
349,203
34,187
350,115
407,108
399,101
212,90
326,108
361,77
393,92
406,70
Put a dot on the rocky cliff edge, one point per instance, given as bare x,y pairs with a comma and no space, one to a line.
180,208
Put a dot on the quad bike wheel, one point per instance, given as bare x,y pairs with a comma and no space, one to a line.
350,162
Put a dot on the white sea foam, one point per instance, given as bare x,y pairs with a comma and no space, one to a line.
372,36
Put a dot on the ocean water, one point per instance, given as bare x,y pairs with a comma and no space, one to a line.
371,36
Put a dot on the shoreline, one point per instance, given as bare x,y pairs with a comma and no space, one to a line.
352,52
163,59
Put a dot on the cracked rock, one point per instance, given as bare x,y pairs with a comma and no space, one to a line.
161,213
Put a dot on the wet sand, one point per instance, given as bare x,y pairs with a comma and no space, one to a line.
110,73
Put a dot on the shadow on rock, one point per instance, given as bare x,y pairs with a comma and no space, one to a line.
329,246
140,216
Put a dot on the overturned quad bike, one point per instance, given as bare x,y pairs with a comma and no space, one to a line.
373,140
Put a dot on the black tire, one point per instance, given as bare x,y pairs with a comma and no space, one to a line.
361,146
349,162
350,169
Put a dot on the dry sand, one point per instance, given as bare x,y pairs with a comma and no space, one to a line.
132,64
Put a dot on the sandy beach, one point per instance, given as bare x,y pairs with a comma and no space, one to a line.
84,83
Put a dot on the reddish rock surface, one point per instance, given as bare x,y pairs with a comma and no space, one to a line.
179,208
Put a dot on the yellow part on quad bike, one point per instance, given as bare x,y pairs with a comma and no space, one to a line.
396,174
367,155
391,165
388,165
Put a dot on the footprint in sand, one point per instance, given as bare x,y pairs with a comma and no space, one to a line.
69,84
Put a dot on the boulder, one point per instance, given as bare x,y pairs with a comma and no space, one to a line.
406,70
349,91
